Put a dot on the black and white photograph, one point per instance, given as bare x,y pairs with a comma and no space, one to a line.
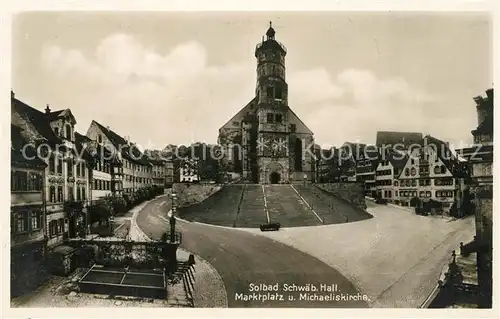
251,159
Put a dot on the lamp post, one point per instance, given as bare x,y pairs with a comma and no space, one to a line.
172,218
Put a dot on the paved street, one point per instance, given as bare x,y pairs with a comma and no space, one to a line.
395,257
243,258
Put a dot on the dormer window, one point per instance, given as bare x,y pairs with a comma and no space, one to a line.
68,132
99,138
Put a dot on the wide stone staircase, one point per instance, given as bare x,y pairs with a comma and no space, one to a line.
330,207
180,286
287,208
251,212
322,204
221,208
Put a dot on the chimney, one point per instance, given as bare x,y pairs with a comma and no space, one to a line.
489,94
12,94
108,128
47,109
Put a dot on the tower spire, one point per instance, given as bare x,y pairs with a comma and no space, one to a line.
270,32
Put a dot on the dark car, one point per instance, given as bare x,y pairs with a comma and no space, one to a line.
381,200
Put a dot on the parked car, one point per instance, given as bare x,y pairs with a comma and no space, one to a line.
381,200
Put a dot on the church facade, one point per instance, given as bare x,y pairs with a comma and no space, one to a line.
266,142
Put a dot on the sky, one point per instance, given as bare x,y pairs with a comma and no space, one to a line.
175,78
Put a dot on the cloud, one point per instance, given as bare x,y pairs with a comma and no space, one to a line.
179,98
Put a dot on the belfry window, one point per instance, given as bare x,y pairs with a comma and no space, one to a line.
279,118
270,92
270,118
278,93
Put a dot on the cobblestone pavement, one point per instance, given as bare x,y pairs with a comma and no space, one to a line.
395,257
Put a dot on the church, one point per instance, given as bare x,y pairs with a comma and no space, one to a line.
266,142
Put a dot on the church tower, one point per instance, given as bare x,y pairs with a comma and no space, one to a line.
266,142
272,110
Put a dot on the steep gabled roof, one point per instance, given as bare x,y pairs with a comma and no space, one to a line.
114,138
130,152
16,152
37,119
243,109
398,160
53,115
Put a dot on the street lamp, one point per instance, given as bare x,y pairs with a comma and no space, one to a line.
172,218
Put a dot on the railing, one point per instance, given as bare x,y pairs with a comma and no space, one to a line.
259,45
468,248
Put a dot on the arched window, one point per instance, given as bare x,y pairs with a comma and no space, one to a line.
298,154
413,171
238,165
52,194
396,183
407,171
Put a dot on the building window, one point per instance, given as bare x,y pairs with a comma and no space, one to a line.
278,93
443,169
270,92
60,229
60,194
59,165
84,196
19,181
68,132
71,196
99,138
78,169
396,183
70,168
21,222
52,164
413,171
293,128
78,197
52,194
298,154
407,171
35,220
270,117
279,118
82,169
52,228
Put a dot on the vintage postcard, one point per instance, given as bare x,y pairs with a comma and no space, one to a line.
251,159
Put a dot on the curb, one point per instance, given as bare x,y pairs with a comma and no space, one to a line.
141,234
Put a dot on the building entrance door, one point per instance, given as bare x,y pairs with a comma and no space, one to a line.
274,178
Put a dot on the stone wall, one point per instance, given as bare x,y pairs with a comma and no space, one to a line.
190,194
351,192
